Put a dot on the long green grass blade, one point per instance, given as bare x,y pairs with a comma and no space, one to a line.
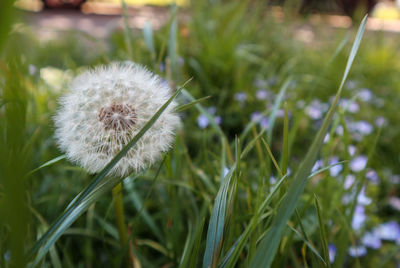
266,251
90,194
217,221
276,107
324,239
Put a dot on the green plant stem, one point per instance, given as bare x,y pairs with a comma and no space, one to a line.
119,214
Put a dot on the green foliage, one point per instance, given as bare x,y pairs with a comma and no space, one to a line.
209,203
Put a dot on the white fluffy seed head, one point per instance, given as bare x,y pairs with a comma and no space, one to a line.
106,108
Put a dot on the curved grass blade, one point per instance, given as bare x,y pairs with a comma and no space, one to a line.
78,206
48,163
184,107
266,251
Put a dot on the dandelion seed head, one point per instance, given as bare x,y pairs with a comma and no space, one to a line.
105,108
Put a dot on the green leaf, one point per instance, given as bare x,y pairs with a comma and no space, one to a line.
266,251
92,193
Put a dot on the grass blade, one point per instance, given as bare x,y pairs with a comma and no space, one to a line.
324,240
217,221
48,163
266,251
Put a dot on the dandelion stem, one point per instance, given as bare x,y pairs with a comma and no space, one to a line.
120,220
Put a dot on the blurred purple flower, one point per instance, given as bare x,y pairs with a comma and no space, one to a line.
352,150
389,231
256,116
358,218
371,240
262,94
240,96
332,252
349,105
349,180
218,120
226,171
380,121
362,199
161,68
395,202
318,164
326,139
339,130
264,122
357,251
365,94
280,113
32,69
372,176
259,118
211,110
358,163
334,171
202,121
316,109
361,127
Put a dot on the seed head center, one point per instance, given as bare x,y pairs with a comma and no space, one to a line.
117,116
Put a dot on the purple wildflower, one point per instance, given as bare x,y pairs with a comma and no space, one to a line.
358,218
358,163
332,252
349,180
371,240
335,170
389,231
202,121
240,96
262,94
365,94
372,176
357,251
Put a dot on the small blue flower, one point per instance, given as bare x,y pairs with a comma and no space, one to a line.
335,170
262,94
365,94
357,251
218,120
332,252
372,176
389,231
202,121
240,96
358,163
380,121
349,180
358,218
371,240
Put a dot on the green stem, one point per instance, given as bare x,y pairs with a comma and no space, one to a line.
119,214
